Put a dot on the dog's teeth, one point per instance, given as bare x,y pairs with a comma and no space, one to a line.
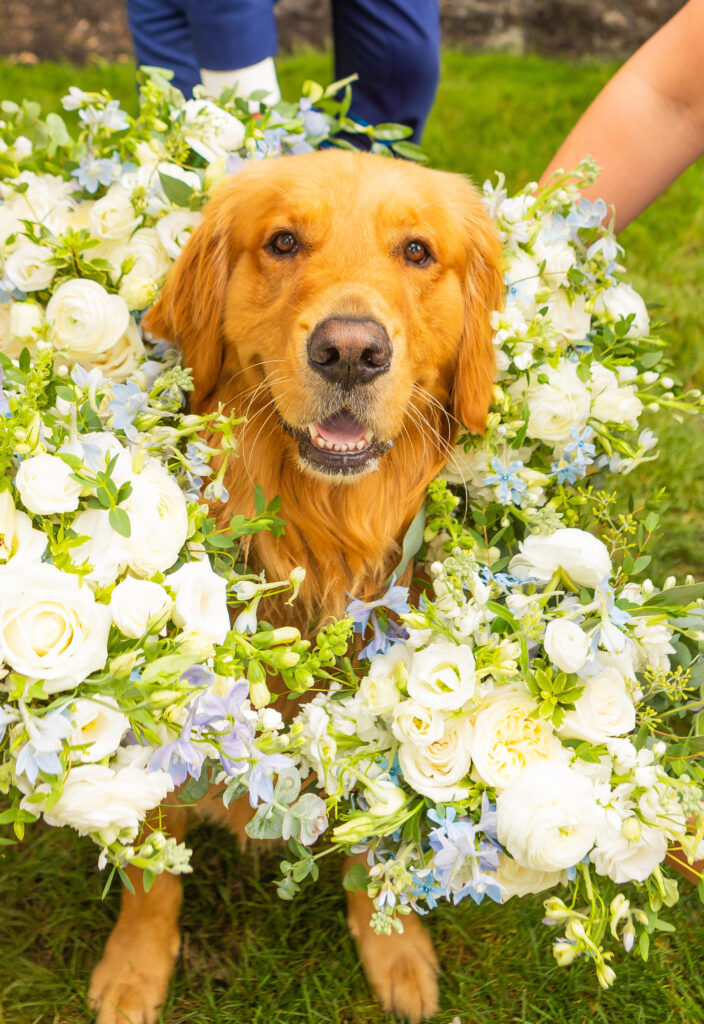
312,431
361,444
329,444
319,441
338,447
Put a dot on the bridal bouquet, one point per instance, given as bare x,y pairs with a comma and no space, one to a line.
530,721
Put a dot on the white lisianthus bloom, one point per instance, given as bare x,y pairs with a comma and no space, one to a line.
45,485
86,320
384,797
582,556
201,600
211,131
547,818
175,229
604,710
25,319
104,548
412,723
621,301
438,769
628,860
99,726
566,645
617,405
137,603
51,627
28,269
379,690
19,541
123,358
557,255
517,880
113,217
556,407
141,283
569,317
158,519
101,801
505,738
442,676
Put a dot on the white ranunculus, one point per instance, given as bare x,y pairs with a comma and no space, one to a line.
620,301
547,818
28,269
86,320
566,645
19,541
438,769
517,880
140,285
45,485
557,406
211,131
102,801
557,255
104,549
624,860
175,229
113,217
51,627
136,603
201,600
123,358
415,724
569,318
25,319
604,710
158,519
442,676
582,556
506,737
99,726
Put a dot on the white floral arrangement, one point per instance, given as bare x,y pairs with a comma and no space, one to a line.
528,725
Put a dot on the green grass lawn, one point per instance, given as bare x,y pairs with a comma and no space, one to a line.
247,957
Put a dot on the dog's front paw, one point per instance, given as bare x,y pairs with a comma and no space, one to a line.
129,991
401,969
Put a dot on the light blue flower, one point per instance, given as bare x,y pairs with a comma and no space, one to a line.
180,757
261,785
92,172
385,630
464,863
41,751
511,489
4,407
314,122
128,402
580,448
111,116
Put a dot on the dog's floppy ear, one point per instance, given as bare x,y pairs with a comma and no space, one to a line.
191,308
484,292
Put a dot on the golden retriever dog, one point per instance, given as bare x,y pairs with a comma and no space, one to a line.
341,302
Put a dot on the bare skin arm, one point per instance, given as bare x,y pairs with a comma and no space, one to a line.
646,126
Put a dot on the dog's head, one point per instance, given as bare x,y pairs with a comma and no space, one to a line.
351,291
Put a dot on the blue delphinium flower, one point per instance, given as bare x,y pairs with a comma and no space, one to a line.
180,757
580,448
385,630
261,785
128,402
314,122
112,116
41,751
464,864
511,489
92,172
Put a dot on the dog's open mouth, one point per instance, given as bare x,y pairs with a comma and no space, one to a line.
340,444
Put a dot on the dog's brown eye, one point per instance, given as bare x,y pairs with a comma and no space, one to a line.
284,243
416,252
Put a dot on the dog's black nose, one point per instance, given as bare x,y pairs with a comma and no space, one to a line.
348,352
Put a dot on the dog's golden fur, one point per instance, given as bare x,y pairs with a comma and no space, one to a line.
243,315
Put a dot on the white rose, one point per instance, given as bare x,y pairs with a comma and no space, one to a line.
559,405
621,405
136,603
45,485
87,321
505,739
140,285
201,600
19,541
547,817
566,645
98,728
51,627
582,556
104,549
620,301
102,801
25,320
418,725
604,710
437,769
123,358
517,880
442,676
569,318
175,229
28,269
10,344
558,256
211,131
158,519
113,217
626,860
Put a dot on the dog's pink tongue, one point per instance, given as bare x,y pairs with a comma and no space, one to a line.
342,428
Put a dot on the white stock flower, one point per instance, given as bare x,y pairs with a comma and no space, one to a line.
624,860
412,723
557,406
569,317
547,818
140,285
135,603
505,738
442,676
28,269
582,556
19,541
87,321
604,710
45,485
175,229
158,520
113,217
51,627
621,301
517,880
437,769
211,131
99,726
120,361
557,255
201,600
566,645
